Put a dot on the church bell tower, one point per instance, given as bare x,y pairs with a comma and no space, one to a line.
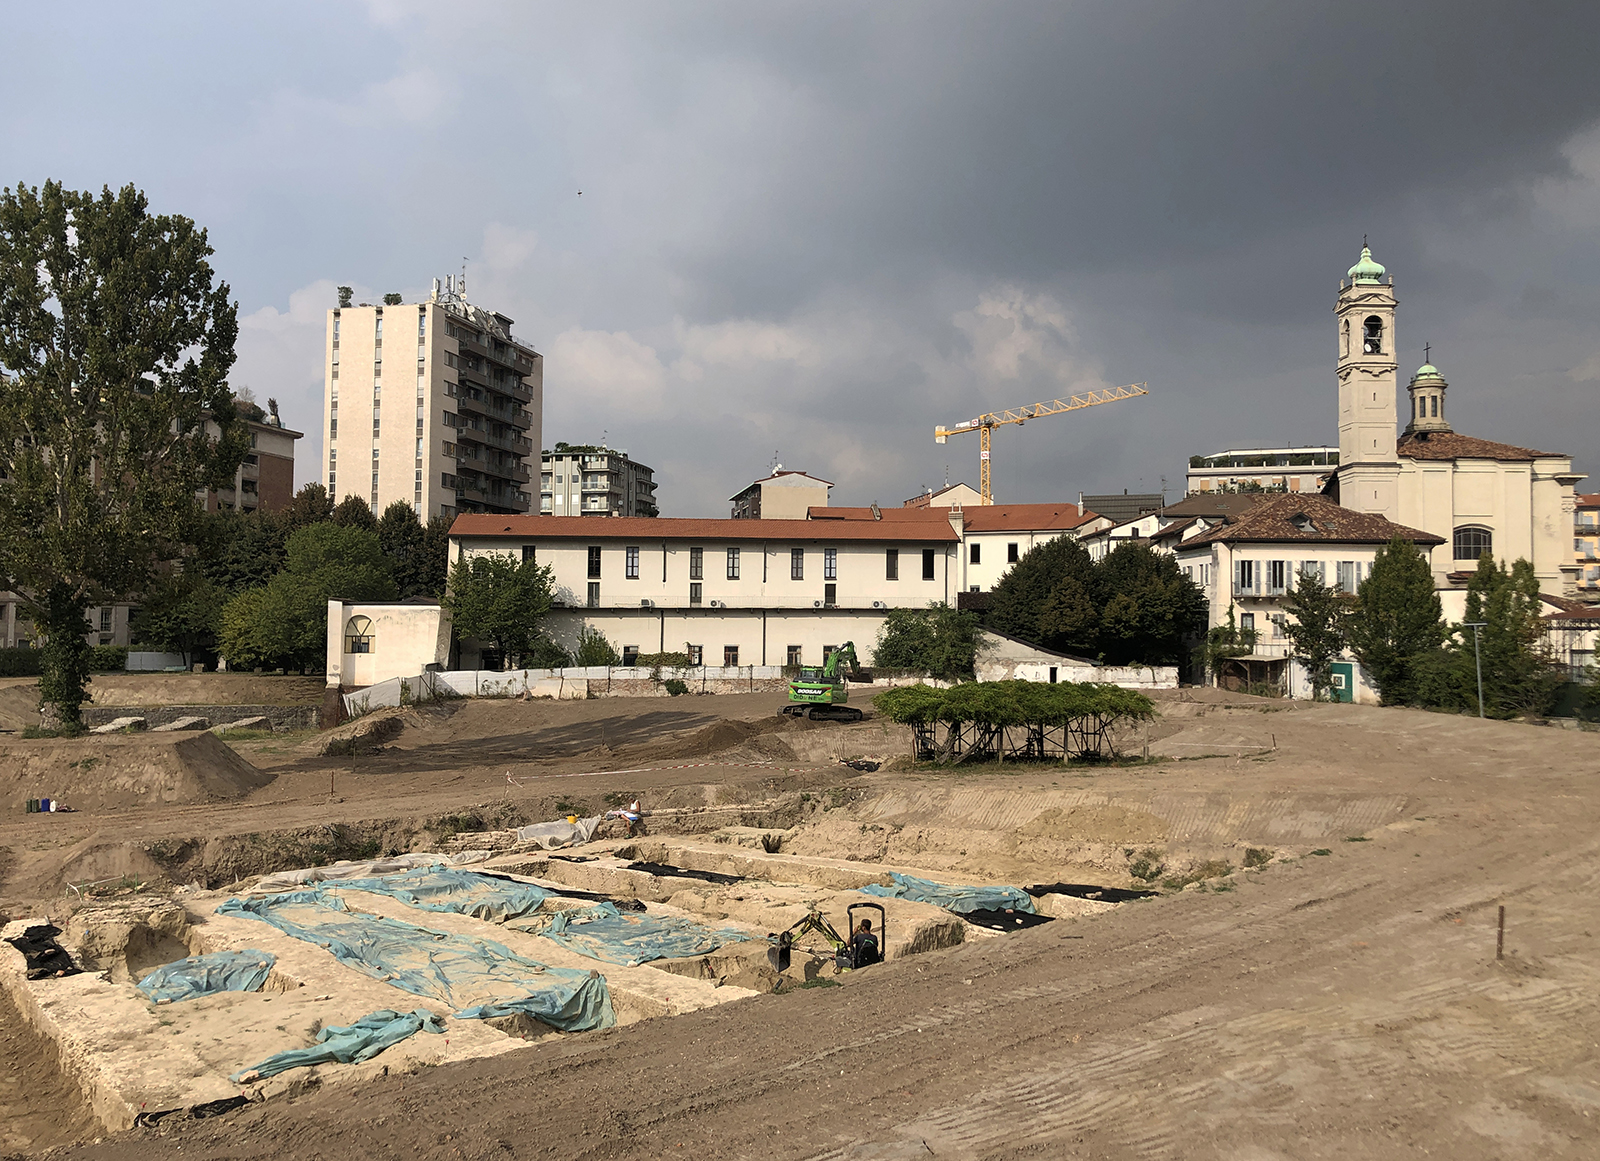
1369,470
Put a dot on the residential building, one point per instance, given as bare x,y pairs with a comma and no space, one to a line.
1247,564
1586,543
1124,507
1166,526
728,592
1475,495
265,480
993,536
784,495
949,496
464,406
585,480
1267,469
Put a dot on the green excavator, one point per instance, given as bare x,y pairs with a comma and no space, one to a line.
821,694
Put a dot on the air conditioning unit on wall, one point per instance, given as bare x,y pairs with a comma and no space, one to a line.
879,605
816,604
647,603
718,605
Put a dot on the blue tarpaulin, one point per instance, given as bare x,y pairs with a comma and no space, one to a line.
605,933
351,1044
952,898
204,975
476,976
486,897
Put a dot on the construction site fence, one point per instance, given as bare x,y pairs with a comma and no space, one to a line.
578,683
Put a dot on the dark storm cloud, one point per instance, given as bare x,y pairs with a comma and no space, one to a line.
820,229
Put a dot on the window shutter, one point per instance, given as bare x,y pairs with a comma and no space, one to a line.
1237,569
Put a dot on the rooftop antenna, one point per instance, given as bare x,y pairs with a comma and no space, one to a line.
463,286
947,475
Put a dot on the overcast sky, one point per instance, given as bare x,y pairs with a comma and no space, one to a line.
815,231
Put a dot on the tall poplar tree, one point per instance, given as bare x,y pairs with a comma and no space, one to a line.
115,346
1397,621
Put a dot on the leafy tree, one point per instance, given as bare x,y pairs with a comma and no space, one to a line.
1396,620
353,512
546,654
433,560
1519,676
1135,606
494,598
400,535
593,649
939,641
181,613
346,296
285,622
1317,629
1147,607
235,550
1227,641
311,505
1019,600
116,343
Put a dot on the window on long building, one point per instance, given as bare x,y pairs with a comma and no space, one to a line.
1471,543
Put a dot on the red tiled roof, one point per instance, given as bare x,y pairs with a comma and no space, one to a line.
1569,610
1273,519
646,529
1590,501
1024,517
985,518
940,515
1447,445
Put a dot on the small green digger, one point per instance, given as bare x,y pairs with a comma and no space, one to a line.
821,694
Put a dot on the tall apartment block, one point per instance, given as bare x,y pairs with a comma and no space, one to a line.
453,419
584,480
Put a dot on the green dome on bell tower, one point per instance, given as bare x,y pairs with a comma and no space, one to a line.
1366,272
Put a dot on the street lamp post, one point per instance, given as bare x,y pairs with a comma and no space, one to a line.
1477,657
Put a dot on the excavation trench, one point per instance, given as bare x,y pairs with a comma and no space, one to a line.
746,865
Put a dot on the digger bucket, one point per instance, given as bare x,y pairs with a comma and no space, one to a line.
778,953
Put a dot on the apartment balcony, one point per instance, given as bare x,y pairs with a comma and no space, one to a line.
502,471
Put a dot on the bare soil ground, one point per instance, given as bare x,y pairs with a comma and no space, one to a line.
1343,1000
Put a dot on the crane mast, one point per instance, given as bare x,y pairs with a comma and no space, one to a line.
989,420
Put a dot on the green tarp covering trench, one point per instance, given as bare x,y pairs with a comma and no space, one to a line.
477,977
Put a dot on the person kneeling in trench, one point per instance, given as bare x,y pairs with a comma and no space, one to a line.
864,945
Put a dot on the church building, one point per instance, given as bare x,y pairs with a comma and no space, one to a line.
1475,495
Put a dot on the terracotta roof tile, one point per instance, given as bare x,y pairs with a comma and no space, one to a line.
1282,519
1447,445
1025,517
483,524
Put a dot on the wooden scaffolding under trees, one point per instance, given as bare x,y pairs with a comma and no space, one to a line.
1020,720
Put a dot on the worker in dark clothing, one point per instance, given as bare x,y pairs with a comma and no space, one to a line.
864,945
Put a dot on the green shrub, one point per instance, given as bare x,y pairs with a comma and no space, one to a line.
675,686
108,659
20,662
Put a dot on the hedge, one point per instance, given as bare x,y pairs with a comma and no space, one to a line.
23,661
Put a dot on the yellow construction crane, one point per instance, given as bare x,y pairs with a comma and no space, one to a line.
990,420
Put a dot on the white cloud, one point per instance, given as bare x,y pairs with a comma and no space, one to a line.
280,356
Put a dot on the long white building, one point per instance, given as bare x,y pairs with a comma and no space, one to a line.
727,592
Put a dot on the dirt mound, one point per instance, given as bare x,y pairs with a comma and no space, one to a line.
203,689
119,771
726,735
19,705
366,734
